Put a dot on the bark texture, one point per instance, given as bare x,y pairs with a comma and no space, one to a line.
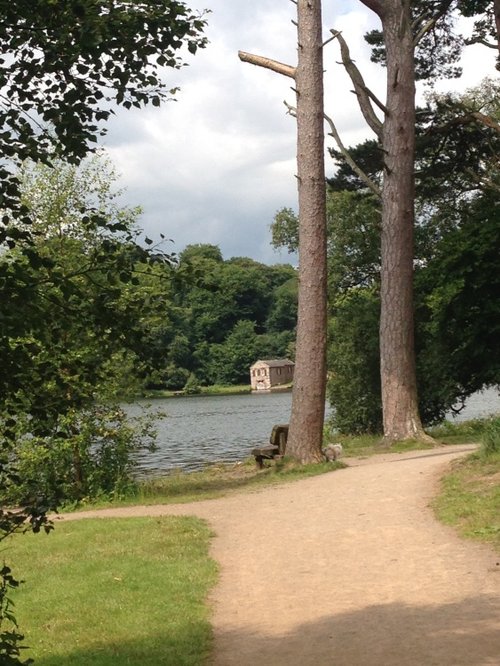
308,398
496,10
397,355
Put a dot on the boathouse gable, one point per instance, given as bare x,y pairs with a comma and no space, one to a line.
265,374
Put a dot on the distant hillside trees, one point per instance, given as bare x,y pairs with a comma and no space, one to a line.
223,315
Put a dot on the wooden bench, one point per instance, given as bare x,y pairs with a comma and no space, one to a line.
276,448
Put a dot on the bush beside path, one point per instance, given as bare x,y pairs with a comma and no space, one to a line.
349,568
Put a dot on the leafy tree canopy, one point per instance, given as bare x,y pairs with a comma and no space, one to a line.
64,66
64,271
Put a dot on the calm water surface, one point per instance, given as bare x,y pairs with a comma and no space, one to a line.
199,430
196,431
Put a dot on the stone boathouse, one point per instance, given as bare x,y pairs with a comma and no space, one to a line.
264,375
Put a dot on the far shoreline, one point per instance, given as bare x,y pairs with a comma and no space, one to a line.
241,389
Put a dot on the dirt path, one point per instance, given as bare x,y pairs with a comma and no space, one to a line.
348,569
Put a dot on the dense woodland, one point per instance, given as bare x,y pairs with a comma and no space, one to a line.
184,321
222,316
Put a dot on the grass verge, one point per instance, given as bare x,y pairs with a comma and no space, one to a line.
218,480
129,591
216,389
447,433
214,481
469,498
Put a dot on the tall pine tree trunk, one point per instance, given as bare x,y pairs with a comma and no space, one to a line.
397,348
308,398
309,384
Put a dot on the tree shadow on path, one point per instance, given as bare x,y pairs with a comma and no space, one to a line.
463,633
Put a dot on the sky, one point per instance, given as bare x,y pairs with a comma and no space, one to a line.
218,163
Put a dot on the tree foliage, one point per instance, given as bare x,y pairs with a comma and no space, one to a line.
223,306
456,250
439,42
64,69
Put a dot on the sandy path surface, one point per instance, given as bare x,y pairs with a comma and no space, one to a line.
348,569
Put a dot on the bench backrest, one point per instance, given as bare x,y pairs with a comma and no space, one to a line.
279,436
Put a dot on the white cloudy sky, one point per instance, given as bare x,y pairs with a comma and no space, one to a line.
216,165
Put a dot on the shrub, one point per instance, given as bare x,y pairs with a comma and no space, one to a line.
88,455
491,438
192,386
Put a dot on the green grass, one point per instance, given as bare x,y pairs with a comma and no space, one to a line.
447,433
219,480
215,481
126,591
216,389
469,498
460,433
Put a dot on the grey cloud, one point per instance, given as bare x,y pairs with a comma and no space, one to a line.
217,164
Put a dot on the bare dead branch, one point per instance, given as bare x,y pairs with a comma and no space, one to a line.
350,161
363,94
376,101
291,110
267,63
330,39
345,153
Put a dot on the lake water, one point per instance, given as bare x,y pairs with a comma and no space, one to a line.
199,430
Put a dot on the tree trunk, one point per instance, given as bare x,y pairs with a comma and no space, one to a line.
308,398
397,348
496,11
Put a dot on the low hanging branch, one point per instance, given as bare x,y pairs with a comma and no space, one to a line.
267,63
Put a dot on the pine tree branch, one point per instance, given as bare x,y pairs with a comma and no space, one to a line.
362,92
467,118
486,120
483,42
267,63
375,5
345,153
430,23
